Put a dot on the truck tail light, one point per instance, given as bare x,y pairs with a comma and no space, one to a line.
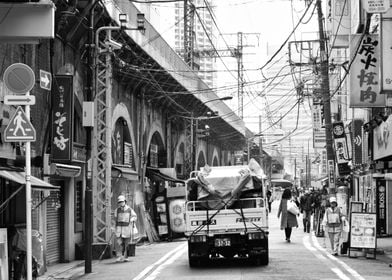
255,235
198,238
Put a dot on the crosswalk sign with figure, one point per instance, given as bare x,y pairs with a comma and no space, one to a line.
19,128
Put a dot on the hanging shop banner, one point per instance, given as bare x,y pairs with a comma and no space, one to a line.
381,205
363,230
341,148
118,143
386,51
357,140
62,117
382,144
365,73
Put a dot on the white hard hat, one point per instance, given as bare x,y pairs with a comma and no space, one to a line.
121,198
332,199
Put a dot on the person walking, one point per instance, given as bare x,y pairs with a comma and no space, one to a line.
332,221
270,199
306,210
288,220
125,218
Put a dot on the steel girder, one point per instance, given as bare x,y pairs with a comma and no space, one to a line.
101,146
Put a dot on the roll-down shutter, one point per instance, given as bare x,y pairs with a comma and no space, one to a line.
53,229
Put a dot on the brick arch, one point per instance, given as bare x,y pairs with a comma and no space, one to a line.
215,158
155,128
121,111
181,141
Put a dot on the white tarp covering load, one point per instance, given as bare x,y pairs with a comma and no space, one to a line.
225,182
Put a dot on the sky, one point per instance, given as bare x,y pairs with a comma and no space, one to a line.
272,21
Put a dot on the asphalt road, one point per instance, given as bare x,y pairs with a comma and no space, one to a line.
304,258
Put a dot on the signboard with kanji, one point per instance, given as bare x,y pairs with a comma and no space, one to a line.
376,6
365,72
19,129
62,117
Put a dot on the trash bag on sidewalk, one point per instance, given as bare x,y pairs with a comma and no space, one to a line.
19,243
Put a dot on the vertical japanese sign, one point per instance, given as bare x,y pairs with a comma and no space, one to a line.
331,174
381,206
62,117
341,148
365,73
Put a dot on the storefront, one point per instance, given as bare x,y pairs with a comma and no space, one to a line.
168,201
13,214
380,193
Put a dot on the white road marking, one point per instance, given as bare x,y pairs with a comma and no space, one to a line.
340,273
309,246
155,273
161,260
355,274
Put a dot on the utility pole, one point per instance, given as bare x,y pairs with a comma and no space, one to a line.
295,172
260,142
240,77
88,227
325,90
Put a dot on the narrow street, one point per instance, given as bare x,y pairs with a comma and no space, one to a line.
304,258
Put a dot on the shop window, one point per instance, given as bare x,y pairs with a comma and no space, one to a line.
78,206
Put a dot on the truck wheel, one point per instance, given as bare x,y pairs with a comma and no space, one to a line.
194,262
256,260
264,259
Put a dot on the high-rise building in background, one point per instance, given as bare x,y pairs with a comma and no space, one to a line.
168,19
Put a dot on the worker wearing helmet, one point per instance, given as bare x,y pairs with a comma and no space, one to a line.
125,218
332,222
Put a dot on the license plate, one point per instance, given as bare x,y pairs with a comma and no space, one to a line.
222,242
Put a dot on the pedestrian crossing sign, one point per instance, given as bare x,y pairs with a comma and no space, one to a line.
19,128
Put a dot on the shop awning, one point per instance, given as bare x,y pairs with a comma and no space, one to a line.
65,170
19,177
156,173
281,183
125,172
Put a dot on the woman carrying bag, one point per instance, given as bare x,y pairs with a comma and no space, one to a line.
289,218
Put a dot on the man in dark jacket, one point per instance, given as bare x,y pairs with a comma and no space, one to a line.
306,207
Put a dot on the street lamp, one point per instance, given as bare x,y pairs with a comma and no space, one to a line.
220,98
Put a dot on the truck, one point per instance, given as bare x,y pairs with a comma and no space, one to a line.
226,214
